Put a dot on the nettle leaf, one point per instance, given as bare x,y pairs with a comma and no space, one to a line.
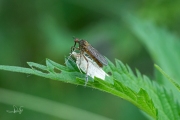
163,47
148,96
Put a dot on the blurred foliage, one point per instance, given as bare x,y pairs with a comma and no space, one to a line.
35,30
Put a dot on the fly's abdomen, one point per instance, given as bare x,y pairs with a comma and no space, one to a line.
94,58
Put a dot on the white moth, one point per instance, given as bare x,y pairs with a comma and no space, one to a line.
88,66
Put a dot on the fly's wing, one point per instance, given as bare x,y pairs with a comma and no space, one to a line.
98,56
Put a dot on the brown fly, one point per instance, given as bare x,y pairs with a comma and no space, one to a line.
86,49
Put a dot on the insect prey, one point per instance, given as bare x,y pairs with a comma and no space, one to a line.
87,51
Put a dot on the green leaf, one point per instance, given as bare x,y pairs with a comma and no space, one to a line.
148,96
168,77
162,45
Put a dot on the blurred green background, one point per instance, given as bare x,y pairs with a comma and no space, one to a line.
38,29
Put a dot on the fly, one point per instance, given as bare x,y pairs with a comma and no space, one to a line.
86,48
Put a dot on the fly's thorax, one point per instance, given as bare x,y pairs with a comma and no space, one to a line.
83,45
